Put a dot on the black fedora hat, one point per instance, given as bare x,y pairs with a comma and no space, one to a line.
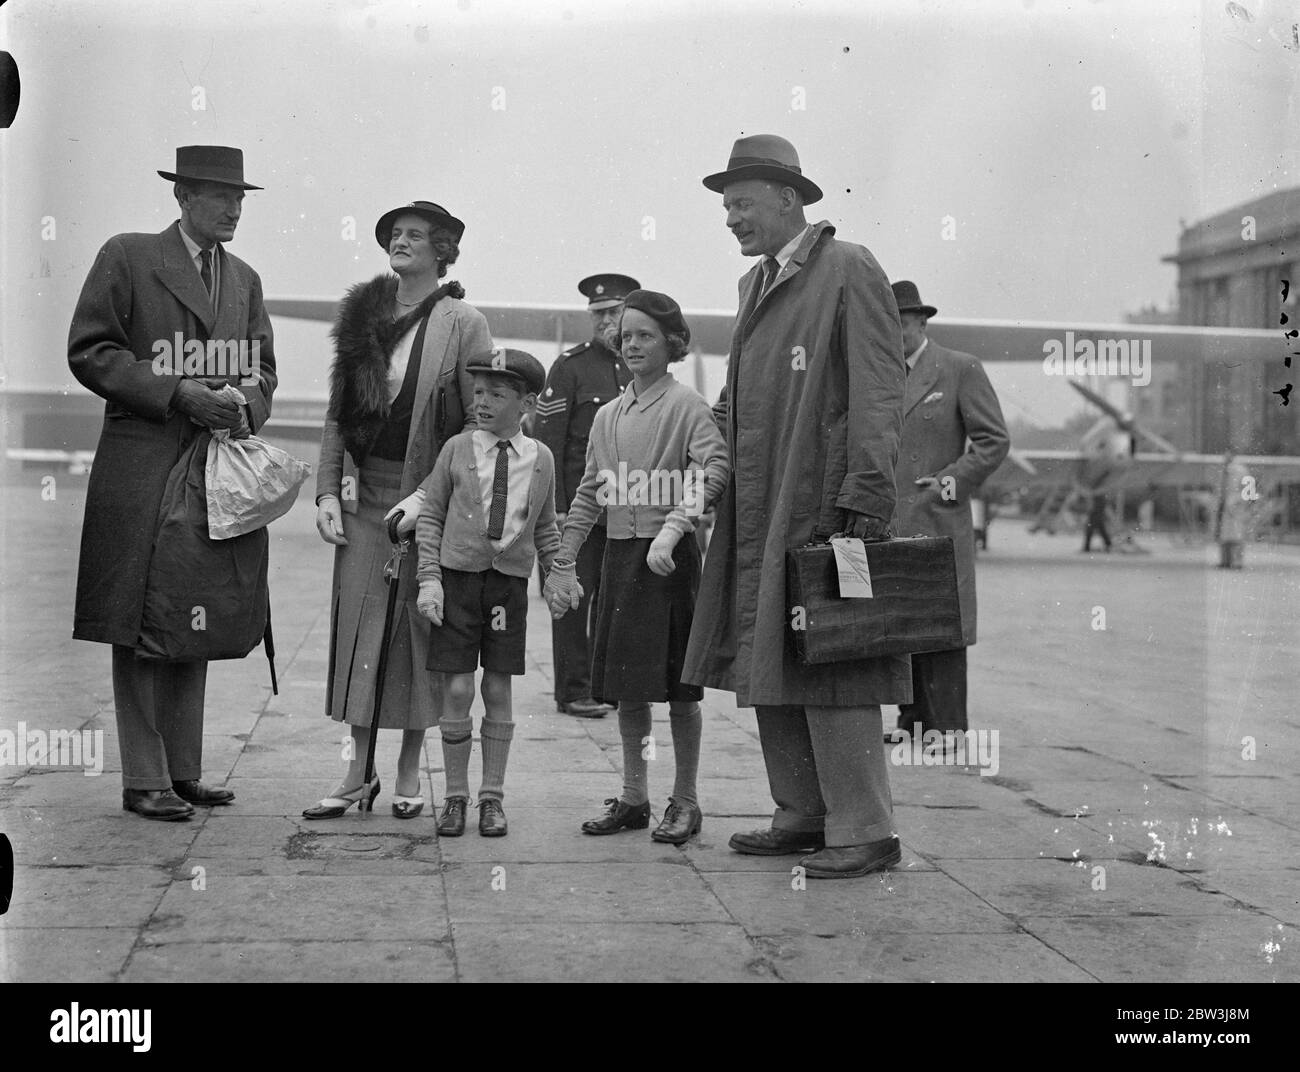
765,156
909,299
209,163
435,214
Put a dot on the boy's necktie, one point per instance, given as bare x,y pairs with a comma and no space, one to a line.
500,483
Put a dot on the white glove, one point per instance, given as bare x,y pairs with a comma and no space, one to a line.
429,600
562,591
410,508
660,556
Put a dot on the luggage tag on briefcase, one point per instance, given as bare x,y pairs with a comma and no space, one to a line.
851,564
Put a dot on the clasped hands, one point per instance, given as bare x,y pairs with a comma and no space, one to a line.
562,591
204,403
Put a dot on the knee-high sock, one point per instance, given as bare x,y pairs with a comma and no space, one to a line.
633,726
495,737
687,722
457,742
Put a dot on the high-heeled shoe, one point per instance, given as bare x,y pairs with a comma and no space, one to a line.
333,807
407,807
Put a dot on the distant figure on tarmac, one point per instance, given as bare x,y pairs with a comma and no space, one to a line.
949,403
1098,511
1233,513
144,290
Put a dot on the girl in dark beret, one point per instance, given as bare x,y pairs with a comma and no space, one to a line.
655,463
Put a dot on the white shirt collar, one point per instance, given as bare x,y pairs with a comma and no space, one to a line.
915,355
787,251
194,248
489,440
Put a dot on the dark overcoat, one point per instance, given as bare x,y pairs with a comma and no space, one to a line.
143,290
811,412
949,400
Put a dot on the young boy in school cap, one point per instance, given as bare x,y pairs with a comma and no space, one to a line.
489,508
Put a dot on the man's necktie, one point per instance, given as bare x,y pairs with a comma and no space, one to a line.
206,271
771,269
500,484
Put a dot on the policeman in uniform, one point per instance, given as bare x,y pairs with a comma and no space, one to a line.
581,381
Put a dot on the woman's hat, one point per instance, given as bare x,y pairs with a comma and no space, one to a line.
909,299
765,156
209,163
435,214
660,308
517,364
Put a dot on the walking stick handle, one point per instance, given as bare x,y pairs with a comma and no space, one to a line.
393,522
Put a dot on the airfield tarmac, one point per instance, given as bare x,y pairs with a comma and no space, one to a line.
1143,823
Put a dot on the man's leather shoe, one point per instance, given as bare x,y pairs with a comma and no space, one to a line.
619,817
491,818
451,823
161,804
195,792
680,823
585,707
771,842
850,861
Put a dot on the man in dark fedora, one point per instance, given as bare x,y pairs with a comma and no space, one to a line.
582,380
812,412
954,437
148,296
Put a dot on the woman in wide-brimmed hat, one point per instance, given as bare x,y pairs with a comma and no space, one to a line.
656,462
398,391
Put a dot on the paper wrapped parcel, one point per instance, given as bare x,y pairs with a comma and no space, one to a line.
249,482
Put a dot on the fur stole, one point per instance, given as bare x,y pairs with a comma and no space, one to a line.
364,336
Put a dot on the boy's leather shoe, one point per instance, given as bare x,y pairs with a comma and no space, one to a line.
585,707
851,861
772,842
452,821
680,823
161,804
194,791
619,817
491,818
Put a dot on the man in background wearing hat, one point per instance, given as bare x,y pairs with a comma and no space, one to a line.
581,381
949,403
145,291
812,412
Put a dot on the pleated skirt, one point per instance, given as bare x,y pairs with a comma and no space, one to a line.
643,622
412,693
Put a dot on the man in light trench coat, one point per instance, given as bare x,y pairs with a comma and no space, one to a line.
812,413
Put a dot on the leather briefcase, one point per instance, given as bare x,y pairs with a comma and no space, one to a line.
914,605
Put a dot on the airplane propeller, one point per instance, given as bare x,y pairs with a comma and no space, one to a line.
1124,420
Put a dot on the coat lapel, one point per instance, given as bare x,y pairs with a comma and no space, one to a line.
231,299
920,380
434,355
177,274
793,267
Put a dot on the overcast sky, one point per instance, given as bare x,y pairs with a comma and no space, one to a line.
1066,141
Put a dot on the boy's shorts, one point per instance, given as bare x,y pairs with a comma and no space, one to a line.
483,616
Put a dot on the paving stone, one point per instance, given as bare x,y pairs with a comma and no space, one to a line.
84,897
336,961
865,956
64,954
566,952
891,902
578,892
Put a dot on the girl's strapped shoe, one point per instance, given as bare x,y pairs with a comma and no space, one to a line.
619,817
